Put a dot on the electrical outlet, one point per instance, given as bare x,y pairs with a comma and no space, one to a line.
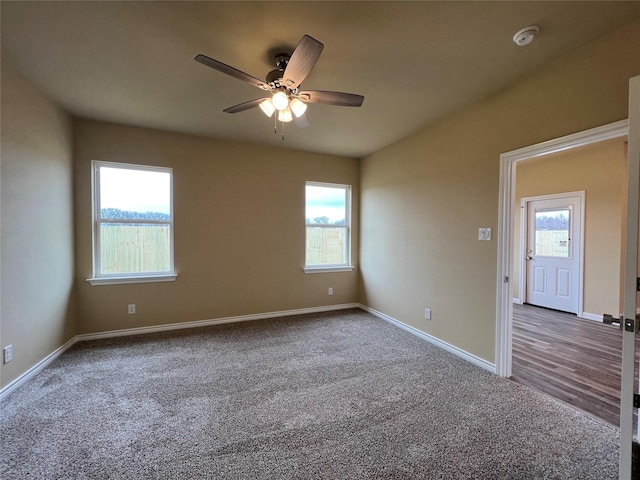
8,353
330,290
427,313
131,309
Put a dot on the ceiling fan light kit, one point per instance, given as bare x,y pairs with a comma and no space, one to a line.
284,85
267,107
298,107
285,115
280,100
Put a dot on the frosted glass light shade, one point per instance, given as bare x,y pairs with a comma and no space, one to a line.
285,115
297,107
267,107
280,100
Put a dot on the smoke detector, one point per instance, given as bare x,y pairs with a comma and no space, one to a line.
526,35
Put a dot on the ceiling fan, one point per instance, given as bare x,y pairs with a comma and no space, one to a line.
283,85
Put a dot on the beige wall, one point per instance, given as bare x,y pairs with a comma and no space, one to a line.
599,170
239,212
424,197
239,229
36,288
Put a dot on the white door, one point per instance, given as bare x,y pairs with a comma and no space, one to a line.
553,256
630,324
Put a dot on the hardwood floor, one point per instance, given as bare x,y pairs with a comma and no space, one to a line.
574,360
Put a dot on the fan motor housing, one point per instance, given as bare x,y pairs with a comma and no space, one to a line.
275,77
282,60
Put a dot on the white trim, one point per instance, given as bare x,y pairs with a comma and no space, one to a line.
591,316
327,269
215,321
469,357
524,236
33,371
170,277
517,301
504,295
161,328
522,273
241,318
629,361
97,221
504,308
347,226
580,139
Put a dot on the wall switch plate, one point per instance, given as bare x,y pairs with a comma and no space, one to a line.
131,309
330,290
484,234
427,313
7,353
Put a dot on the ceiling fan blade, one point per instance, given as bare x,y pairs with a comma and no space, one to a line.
331,98
302,121
241,107
233,72
302,60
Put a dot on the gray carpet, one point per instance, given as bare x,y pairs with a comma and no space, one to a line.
339,395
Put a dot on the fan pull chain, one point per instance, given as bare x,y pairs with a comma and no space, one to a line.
275,124
282,131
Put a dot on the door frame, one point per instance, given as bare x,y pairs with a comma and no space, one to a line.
524,231
627,388
508,160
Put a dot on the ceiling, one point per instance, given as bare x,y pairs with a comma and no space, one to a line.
132,62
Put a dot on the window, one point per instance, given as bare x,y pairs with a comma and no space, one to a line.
328,223
552,233
132,223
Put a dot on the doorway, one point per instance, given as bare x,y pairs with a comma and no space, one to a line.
630,269
566,197
508,265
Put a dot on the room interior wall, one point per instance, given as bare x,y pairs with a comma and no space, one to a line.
424,197
36,288
239,229
600,170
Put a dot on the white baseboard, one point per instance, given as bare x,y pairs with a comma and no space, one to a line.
517,301
33,371
591,316
161,328
433,340
215,321
242,318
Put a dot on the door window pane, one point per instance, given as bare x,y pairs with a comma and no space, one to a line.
552,233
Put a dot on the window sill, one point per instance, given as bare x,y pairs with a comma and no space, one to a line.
169,277
328,269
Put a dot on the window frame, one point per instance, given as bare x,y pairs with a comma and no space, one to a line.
346,266
100,278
